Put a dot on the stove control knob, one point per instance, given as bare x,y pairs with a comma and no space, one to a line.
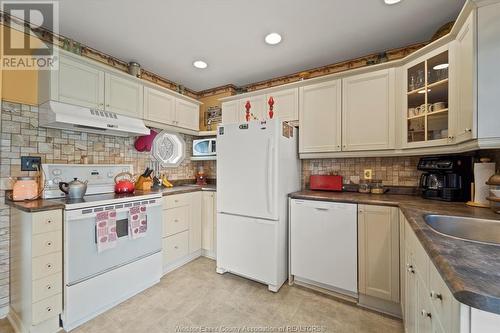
56,172
110,175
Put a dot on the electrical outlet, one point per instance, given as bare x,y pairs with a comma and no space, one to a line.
367,173
29,163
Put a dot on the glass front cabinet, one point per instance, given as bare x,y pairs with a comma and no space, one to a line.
428,100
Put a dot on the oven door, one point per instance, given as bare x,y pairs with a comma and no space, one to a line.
81,259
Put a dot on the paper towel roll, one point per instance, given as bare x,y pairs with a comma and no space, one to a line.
482,172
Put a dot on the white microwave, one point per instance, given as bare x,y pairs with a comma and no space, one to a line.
204,147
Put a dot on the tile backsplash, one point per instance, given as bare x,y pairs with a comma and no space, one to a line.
393,171
21,136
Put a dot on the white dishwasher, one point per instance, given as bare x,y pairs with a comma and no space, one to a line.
323,245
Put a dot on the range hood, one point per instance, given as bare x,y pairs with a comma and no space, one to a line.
59,115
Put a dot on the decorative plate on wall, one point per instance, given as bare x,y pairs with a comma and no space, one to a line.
168,149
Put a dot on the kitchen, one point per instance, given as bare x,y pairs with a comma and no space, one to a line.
351,188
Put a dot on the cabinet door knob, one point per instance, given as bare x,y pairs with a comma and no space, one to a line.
435,295
49,222
425,313
176,247
468,130
49,265
49,287
411,269
49,309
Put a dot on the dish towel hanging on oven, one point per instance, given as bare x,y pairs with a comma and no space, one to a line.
106,230
137,222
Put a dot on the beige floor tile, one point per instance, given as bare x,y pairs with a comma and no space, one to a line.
195,296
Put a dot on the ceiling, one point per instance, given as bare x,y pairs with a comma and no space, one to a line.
166,36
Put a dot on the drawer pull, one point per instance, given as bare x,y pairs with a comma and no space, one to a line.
49,309
411,269
176,247
49,265
49,243
49,287
426,314
49,222
176,220
435,295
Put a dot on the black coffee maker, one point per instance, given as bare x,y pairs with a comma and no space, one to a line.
446,178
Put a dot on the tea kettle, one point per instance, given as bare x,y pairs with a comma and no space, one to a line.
75,189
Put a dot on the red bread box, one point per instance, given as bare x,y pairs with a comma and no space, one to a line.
325,182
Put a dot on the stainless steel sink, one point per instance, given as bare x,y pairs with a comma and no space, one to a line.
468,228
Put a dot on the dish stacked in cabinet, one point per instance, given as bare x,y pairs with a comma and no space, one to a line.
36,272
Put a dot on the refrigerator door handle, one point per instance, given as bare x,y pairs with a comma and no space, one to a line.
270,170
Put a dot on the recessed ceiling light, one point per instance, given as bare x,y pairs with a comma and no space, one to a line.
391,2
440,66
273,38
200,64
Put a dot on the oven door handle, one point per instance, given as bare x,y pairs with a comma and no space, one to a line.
74,215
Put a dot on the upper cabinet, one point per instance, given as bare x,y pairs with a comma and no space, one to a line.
187,114
76,83
286,104
320,117
82,82
231,112
464,57
123,96
159,106
286,107
162,108
428,104
368,111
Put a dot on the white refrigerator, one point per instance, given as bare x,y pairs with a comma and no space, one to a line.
257,166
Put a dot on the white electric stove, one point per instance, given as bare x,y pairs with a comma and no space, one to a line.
95,282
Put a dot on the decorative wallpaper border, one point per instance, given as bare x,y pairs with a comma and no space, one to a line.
367,60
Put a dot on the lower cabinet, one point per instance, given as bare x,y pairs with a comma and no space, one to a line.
36,270
378,259
208,224
429,305
181,229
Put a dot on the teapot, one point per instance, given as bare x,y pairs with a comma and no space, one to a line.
75,189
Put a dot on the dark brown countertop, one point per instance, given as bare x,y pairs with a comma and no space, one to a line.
471,270
51,204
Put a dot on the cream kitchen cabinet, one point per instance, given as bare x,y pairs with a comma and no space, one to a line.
286,105
464,56
75,83
320,117
36,270
378,259
187,114
208,224
231,112
368,111
429,305
181,229
159,106
123,96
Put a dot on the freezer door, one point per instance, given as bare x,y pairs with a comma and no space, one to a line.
247,169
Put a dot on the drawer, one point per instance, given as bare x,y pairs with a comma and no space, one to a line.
442,299
47,286
47,221
176,200
48,308
175,220
46,243
46,265
175,247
